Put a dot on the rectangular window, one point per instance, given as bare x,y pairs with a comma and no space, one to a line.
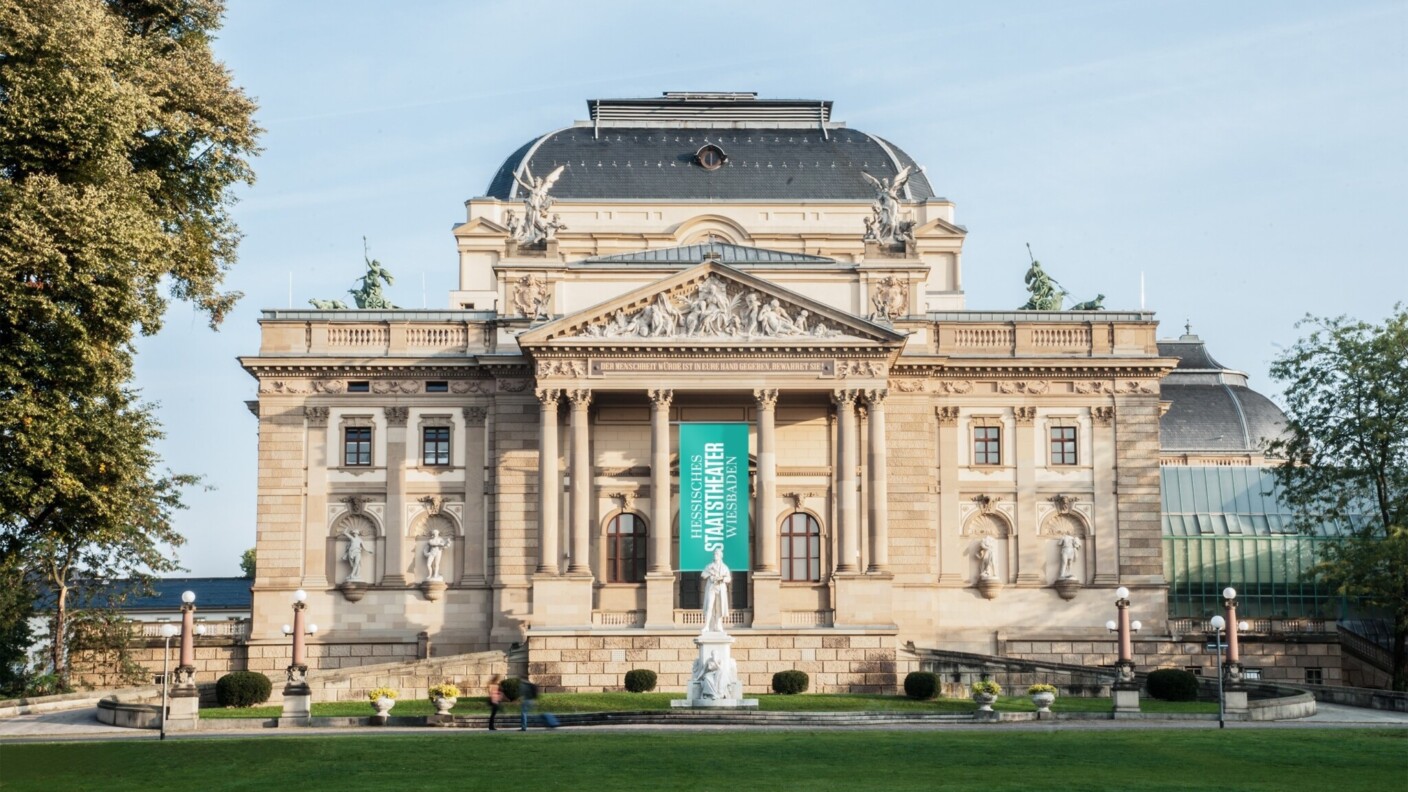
357,446
1314,676
987,445
1063,445
359,387
437,387
436,445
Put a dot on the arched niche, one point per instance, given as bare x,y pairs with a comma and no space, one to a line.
373,537
994,526
699,230
419,535
1068,548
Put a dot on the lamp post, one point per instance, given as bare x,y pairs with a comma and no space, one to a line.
183,708
168,631
1125,691
1231,692
1217,623
297,695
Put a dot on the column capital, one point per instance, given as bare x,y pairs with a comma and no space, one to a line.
947,415
316,416
1102,415
397,416
580,398
1024,415
548,396
475,416
845,397
875,397
767,398
661,397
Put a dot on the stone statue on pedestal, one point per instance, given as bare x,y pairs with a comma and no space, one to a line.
716,582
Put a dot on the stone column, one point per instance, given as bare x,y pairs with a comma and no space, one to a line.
660,481
878,467
766,504
551,481
396,539
183,708
949,529
1101,545
1029,547
476,513
315,534
849,546
581,504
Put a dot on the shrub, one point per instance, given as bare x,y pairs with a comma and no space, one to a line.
790,682
444,690
922,685
640,680
380,693
509,687
1173,684
987,686
243,689
1041,688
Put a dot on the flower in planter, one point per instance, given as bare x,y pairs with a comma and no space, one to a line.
446,690
987,687
381,693
1041,688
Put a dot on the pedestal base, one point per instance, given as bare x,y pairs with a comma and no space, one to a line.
1234,701
1126,700
298,709
713,682
743,704
659,600
433,589
183,710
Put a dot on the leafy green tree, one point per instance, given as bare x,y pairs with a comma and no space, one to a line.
1346,387
247,563
16,637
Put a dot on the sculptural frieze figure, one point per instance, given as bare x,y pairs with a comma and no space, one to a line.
1070,545
716,309
538,225
884,224
435,547
717,579
530,296
356,547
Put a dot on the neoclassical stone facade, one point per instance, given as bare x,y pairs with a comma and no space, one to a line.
919,474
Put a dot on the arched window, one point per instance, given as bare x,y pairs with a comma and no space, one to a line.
625,542
801,548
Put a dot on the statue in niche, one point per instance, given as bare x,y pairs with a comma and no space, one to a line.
1070,545
356,547
435,547
884,225
987,559
717,578
537,225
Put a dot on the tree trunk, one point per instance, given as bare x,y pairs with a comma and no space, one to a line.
57,638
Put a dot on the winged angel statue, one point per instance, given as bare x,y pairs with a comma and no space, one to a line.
884,224
537,225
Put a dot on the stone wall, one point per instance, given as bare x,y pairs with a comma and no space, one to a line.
836,662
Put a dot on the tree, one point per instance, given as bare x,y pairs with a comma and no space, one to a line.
16,608
1346,454
247,563
121,138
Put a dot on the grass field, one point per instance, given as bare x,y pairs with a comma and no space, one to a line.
636,702
988,758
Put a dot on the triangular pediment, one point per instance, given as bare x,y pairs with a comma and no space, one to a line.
711,304
723,252
480,225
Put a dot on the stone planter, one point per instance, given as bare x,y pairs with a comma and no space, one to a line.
1043,701
443,705
383,706
984,701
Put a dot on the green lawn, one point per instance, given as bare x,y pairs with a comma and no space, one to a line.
987,758
636,702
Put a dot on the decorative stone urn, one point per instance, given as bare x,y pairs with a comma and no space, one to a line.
383,706
1043,701
984,701
443,705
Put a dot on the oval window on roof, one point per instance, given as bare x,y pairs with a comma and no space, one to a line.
710,157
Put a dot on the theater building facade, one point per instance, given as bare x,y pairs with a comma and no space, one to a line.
505,473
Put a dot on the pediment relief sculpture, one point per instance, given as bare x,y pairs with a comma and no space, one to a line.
715,308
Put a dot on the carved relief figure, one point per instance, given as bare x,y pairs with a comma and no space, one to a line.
356,546
715,310
890,299
530,296
706,672
987,558
1070,545
434,548
716,582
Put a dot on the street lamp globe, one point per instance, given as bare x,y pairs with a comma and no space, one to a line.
300,596
1218,623
312,629
168,630
188,597
288,630
1121,593
1229,593
1111,626
1136,625
200,629
1243,626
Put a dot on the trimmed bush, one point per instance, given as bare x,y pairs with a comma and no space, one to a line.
921,685
1173,684
640,680
509,687
790,682
243,689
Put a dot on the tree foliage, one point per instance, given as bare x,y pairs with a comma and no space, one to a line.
1346,450
121,138
247,563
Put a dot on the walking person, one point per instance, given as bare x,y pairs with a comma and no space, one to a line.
527,697
496,700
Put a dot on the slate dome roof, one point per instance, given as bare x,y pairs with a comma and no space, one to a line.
645,149
1213,409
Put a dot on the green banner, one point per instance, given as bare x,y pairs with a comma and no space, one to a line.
713,494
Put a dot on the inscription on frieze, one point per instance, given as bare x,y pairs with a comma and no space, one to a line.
825,368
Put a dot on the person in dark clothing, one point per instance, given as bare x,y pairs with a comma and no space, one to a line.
496,700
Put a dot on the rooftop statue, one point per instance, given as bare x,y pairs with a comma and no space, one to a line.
537,225
369,294
1046,293
884,224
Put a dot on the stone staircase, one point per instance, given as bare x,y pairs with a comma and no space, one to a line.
412,679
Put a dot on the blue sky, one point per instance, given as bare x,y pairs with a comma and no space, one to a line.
1248,158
